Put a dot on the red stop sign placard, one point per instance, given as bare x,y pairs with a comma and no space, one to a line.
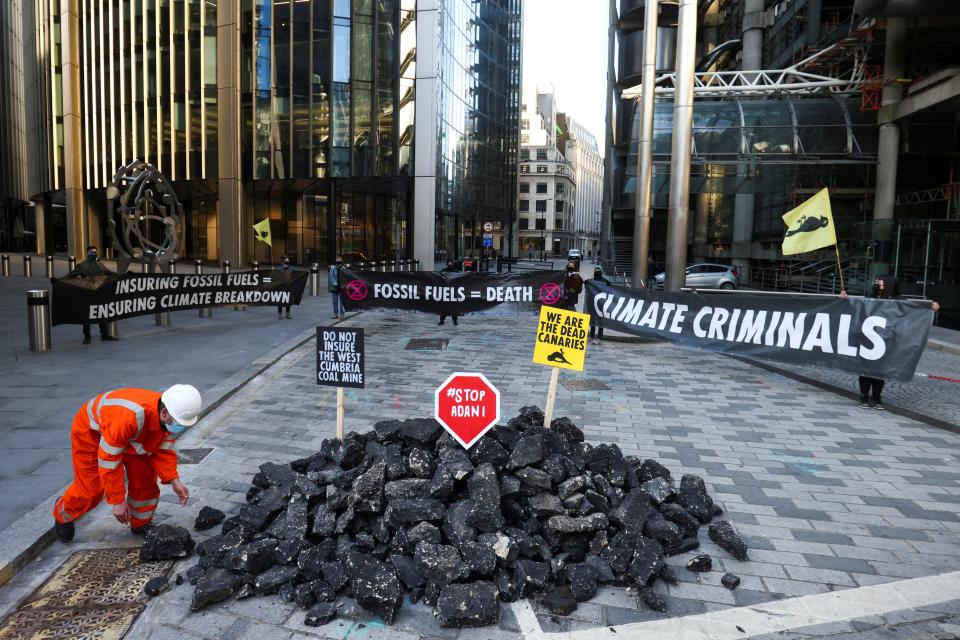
467,405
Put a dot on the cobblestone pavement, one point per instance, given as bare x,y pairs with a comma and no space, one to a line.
938,399
828,496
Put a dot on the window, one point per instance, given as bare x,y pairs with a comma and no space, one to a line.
541,224
541,187
524,124
541,154
524,154
541,168
524,223
524,205
558,223
542,206
559,208
524,168
524,187
523,108
561,168
559,188
525,138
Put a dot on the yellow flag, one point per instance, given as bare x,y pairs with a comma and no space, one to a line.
262,230
810,226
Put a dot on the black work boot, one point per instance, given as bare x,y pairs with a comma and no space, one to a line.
64,531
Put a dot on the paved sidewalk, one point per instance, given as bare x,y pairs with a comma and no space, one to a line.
828,496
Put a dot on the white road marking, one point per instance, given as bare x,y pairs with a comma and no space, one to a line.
772,617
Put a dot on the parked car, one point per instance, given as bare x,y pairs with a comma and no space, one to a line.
706,276
575,256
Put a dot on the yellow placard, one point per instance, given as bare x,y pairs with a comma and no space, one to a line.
561,338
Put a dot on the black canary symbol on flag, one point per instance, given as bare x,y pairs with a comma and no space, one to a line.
807,225
557,356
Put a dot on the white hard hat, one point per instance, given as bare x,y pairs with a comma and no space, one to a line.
183,403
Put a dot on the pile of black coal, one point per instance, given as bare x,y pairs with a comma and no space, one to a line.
403,510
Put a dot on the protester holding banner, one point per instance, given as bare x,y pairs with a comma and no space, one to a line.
596,322
284,266
572,286
885,287
450,268
91,268
333,280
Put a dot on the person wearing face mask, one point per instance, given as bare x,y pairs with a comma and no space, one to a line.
126,432
334,282
596,322
91,268
885,287
572,286
284,266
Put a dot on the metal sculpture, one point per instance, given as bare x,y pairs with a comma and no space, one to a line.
144,199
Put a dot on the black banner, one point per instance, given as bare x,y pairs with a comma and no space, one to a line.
340,359
78,299
868,336
451,293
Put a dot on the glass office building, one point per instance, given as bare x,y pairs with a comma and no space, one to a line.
300,111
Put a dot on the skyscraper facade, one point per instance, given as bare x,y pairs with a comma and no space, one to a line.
301,111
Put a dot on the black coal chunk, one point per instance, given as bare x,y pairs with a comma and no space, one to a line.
651,469
208,518
528,450
156,586
559,601
531,415
479,557
680,517
166,542
440,562
320,614
275,577
700,563
367,494
659,489
375,586
687,544
565,427
402,512
484,489
647,558
487,450
730,581
288,551
531,577
694,498
566,524
255,557
583,581
216,585
407,571
474,604
724,535
421,464
656,601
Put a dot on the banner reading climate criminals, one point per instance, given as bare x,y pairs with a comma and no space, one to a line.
451,293
868,336
115,297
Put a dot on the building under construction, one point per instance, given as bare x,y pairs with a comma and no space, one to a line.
790,96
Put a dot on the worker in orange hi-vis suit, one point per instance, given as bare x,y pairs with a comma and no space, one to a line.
132,430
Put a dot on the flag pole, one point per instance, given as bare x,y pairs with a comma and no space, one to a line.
839,268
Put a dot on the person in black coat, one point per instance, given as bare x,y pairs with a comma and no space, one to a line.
596,322
450,268
885,287
91,268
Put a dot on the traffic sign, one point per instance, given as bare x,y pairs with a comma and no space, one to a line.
488,227
467,405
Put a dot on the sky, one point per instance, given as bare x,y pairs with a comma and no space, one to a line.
565,45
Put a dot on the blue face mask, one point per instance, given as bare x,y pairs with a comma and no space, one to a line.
176,428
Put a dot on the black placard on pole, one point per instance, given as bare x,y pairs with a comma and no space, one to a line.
340,360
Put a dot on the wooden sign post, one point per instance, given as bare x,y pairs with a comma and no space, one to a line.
340,363
561,343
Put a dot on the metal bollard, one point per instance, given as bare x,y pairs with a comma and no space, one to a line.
416,264
205,312
255,266
314,280
27,267
362,266
38,319
113,329
226,266
71,264
49,266
6,266
172,266
383,266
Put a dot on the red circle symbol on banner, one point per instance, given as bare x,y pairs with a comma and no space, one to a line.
356,290
550,293
467,405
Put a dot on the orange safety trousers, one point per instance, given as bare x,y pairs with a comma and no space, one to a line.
86,491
